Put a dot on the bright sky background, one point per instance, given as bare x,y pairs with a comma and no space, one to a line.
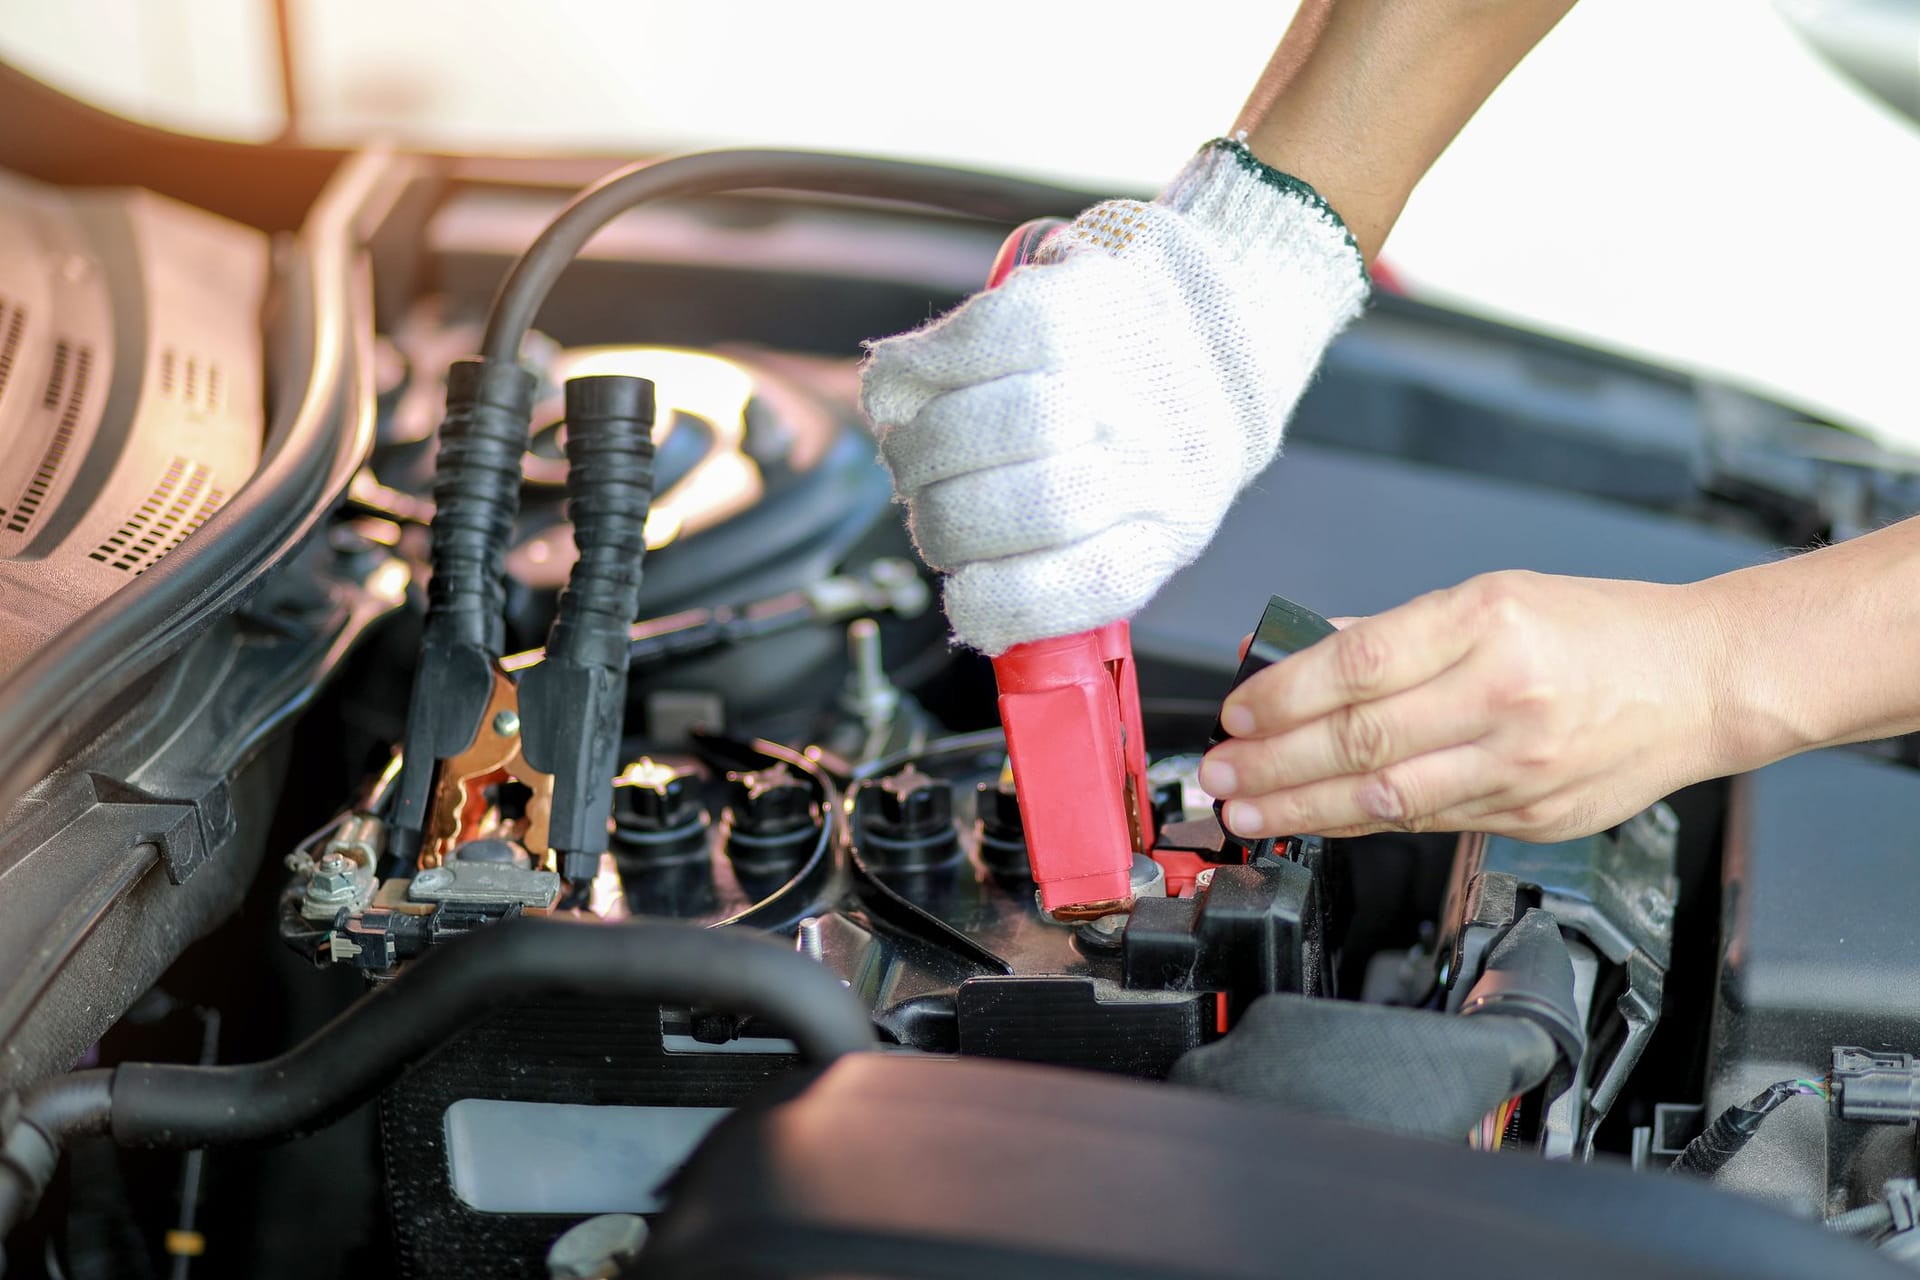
1681,179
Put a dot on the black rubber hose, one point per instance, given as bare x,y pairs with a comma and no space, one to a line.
609,488
69,1106
709,172
1529,974
435,997
50,1113
476,494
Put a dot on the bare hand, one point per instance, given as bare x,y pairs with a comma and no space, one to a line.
1517,703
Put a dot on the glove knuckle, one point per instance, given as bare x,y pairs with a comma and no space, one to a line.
1040,506
887,403
946,543
1006,598
972,597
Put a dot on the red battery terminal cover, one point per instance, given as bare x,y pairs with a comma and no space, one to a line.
1071,710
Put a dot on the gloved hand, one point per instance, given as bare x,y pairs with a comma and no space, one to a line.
1067,441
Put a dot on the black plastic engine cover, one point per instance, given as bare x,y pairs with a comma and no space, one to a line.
915,1167
1818,949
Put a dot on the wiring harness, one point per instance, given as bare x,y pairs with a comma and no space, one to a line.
1733,1128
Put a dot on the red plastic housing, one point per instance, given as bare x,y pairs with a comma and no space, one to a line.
1071,710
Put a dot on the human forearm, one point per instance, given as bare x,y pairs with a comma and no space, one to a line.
1548,707
1819,649
1363,95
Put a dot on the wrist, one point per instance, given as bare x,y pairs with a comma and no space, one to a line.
1369,205
1363,95
1256,211
1755,673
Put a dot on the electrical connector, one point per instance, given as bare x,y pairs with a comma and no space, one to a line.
1873,1086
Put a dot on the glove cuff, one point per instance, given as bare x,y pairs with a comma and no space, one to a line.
1253,210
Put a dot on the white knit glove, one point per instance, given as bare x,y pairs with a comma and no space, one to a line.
1067,441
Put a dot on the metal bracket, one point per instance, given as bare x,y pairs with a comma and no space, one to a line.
494,755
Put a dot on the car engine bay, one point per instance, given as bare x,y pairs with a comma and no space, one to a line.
522,816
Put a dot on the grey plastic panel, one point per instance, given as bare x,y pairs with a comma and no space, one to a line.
1819,947
131,391
551,1157
1348,533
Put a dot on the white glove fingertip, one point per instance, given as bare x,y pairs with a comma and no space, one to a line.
1017,419
1007,511
891,391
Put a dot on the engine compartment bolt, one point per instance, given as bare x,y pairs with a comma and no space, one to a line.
651,796
999,808
333,884
660,822
869,695
906,822
1003,840
1104,933
771,802
598,1247
329,885
773,818
911,805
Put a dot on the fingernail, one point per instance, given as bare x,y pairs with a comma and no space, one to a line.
1237,721
1217,778
1242,818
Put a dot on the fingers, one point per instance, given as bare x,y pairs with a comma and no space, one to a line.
996,604
1007,331
1017,419
1371,659
1053,317
1358,738
1006,511
1412,795
1571,812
